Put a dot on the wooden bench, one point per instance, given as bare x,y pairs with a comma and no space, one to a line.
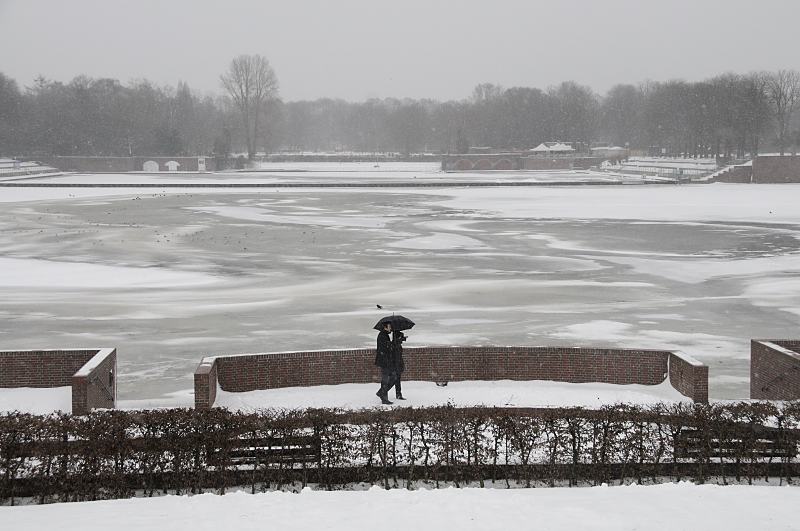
759,442
281,451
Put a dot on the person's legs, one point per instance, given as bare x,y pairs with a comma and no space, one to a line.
386,384
398,392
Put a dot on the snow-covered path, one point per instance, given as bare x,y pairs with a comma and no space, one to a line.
499,393
661,507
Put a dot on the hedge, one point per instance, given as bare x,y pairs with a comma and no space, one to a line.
118,454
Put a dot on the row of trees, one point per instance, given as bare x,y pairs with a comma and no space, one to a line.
103,117
730,114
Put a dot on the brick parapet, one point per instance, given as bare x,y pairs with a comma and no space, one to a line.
88,164
736,174
688,376
248,372
90,372
775,369
205,384
776,169
41,368
94,386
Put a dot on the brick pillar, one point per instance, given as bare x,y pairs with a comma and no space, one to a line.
205,384
80,395
688,376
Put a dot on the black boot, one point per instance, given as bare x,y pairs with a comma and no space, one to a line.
383,395
398,392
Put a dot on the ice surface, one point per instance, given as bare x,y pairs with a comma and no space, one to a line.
16,272
712,202
170,276
695,270
439,241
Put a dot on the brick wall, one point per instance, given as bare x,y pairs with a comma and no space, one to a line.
90,372
481,162
776,169
186,163
688,376
775,369
121,164
516,161
91,164
249,372
736,174
542,163
41,368
95,384
205,385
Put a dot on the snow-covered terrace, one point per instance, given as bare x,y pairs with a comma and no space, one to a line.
499,393
475,376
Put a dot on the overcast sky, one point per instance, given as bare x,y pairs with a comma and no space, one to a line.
357,49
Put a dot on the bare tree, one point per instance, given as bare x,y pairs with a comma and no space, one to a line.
783,93
251,84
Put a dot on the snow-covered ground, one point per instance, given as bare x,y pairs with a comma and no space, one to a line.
288,176
709,164
349,167
669,507
179,274
37,401
501,393
11,169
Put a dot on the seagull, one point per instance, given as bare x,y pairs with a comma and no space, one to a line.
379,306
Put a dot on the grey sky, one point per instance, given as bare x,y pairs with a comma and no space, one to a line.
355,49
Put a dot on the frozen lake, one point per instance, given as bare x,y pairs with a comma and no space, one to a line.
170,276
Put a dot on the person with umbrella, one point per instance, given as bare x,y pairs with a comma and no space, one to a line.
398,338
389,356
385,360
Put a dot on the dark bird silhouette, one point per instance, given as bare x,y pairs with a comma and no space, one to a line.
379,306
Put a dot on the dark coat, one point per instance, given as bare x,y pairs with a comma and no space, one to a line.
383,356
397,351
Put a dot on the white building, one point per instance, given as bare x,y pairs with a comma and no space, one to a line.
553,148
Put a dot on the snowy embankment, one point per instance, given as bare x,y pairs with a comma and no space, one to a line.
708,164
667,507
501,393
404,178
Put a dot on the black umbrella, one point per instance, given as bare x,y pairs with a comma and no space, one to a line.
398,322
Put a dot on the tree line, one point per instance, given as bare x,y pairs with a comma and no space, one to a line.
727,115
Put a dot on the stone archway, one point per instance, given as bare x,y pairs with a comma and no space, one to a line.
483,165
463,165
504,164
151,166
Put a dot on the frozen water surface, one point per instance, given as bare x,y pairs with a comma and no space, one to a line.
170,276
